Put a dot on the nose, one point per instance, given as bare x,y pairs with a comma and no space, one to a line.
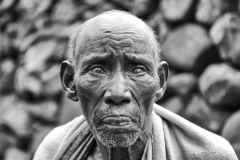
117,92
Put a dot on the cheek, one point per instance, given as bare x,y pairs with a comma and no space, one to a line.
145,88
144,91
89,91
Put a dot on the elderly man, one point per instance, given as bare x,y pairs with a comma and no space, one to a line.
116,74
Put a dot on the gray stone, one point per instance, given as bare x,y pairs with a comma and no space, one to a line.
188,48
51,81
34,8
225,33
16,154
174,104
183,83
98,9
6,142
231,131
158,24
15,116
219,84
18,30
36,57
44,84
202,115
27,85
38,137
65,11
57,32
6,5
7,70
69,110
175,10
45,110
6,46
208,11
142,8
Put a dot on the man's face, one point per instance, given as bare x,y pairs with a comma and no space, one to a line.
116,81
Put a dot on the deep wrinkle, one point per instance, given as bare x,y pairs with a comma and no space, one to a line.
132,57
120,62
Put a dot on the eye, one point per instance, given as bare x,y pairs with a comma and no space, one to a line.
98,70
138,70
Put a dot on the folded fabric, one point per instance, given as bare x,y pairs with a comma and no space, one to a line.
173,138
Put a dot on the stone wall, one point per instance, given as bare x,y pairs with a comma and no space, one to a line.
200,41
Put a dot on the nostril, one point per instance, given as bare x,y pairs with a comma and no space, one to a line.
117,102
109,101
126,101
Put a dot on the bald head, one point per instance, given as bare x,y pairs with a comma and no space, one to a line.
111,23
115,76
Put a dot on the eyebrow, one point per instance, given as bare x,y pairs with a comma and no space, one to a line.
95,57
139,58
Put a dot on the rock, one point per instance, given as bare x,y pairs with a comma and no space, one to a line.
158,24
35,8
45,110
69,110
175,10
124,5
45,84
7,5
98,9
208,11
188,48
38,137
27,85
219,84
51,81
6,142
15,116
16,154
142,8
174,104
183,83
92,2
57,32
225,33
231,131
65,11
7,70
37,56
18,30
6,47
202,115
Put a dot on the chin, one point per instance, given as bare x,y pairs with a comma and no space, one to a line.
117,139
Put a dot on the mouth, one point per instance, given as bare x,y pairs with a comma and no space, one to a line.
117,121
117,124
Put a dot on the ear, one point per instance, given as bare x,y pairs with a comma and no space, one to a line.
163,75
67,79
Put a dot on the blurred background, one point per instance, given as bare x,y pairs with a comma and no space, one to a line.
200,41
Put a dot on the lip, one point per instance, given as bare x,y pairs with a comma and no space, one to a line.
117,120
117,124
118,129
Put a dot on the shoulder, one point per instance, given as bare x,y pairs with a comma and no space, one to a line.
49,146
193,140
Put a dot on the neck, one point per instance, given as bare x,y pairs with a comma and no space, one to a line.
133,152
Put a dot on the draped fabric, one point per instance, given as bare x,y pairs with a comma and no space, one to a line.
173,138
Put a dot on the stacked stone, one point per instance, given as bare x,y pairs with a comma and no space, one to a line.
200,41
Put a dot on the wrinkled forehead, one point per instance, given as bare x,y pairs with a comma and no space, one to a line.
125,30
115,23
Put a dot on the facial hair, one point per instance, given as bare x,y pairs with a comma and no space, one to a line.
117,139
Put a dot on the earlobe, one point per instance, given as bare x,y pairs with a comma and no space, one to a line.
67,80
163,75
